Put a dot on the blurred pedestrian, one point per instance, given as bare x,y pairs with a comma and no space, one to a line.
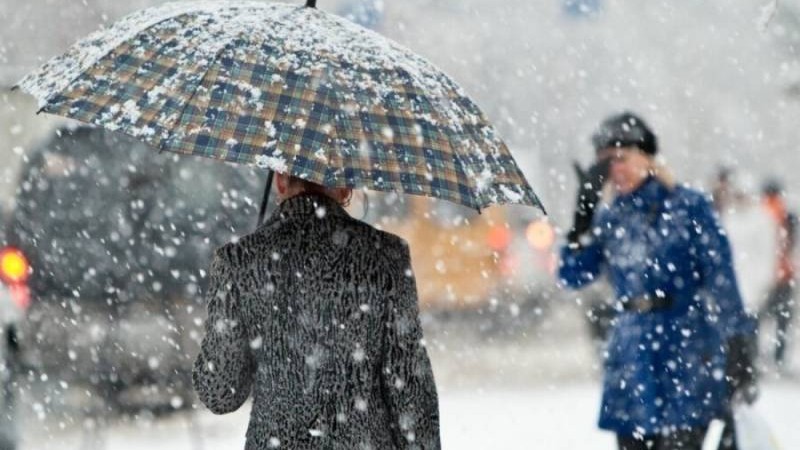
681,345
780,302
724,194
742,216
316,313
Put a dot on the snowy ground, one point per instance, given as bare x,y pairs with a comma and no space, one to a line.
550,417
505,389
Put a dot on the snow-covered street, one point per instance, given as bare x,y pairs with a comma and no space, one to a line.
549,417
525,389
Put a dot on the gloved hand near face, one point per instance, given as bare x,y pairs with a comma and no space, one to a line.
589,194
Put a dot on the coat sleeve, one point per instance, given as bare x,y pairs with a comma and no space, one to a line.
580,265
223,371
407,376
715,263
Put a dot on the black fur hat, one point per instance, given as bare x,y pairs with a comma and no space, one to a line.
625,130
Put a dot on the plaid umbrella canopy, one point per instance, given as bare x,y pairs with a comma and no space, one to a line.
287,88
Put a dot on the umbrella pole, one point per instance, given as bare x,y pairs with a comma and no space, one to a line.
263,211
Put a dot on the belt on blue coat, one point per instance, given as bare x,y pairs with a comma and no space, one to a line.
647,303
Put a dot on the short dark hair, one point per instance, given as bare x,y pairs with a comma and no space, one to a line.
308,186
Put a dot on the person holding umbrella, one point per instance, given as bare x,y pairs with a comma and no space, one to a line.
316,314
682,346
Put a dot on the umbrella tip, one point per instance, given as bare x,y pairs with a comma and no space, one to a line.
311,3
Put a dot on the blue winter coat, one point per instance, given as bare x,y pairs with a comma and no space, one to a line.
665,367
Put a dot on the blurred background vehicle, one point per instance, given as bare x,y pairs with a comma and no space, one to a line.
8,371
110,243
12,304
498,262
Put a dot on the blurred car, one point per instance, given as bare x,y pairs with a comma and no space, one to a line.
12,304
499,259
116,242
8,372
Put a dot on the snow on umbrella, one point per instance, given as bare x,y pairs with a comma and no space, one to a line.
286,88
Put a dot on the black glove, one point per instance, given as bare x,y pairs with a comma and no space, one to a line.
590,187
740,369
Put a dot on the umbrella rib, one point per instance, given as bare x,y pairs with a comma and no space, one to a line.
223,48
479,199
104,55
416,77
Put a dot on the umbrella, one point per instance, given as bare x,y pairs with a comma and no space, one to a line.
286,88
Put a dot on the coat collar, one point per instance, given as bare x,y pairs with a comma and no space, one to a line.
307,205
651,190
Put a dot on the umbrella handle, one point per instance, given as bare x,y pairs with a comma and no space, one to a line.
263,211
311,3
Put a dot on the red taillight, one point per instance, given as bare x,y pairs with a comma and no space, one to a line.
499,238
21,295
14,272
14,267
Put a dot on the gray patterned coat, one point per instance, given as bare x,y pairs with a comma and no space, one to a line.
316,314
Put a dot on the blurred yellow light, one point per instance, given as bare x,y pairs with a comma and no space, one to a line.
540,235
13,266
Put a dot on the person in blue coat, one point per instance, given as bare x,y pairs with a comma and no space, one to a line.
681,347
